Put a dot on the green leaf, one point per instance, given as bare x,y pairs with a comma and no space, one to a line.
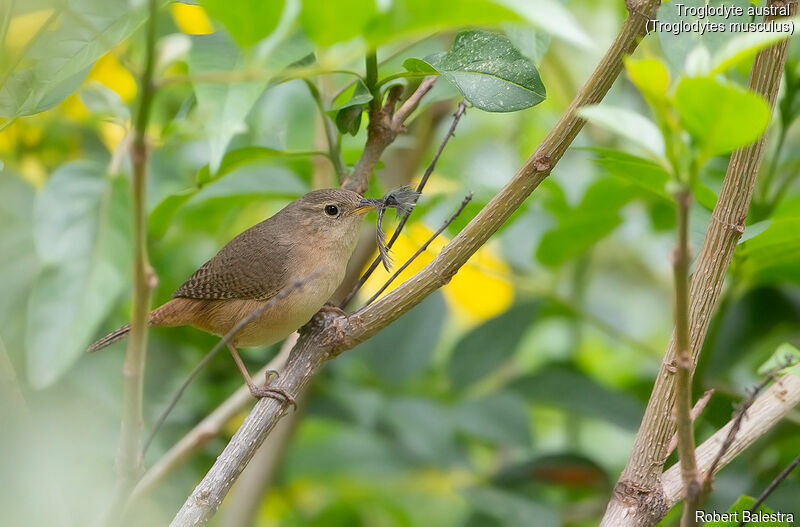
491,73
704,195
774,255
60,58
247,21
359,95
553,17
745,46
100,99
161,217
500,418
740,511
347,114
422,427
419,66
584,396
510,509
720,117
223,106
82,235
630,125
592,220
327,23
239,158
404,349
484,348
650,75
348,120
641,172
786,354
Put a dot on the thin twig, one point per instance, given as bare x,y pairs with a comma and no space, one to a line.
334,152
422,249
683,382
283,293
462,107
697,409
772,486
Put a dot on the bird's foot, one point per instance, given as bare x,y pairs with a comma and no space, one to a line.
331,308
279,394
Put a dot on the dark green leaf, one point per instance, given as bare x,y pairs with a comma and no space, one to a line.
422,427
82,235
584,396
500,418
486,347
643,173
348,120
491,73
774,255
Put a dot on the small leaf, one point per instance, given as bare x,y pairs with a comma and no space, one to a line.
419,66
720,117
491,73
650,75
348,120
630,125
247,21
484,348
359,96
786,354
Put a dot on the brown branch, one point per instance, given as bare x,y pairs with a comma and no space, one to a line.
773,485
462,107
683,381
698,408
331,334
638,498
768,409
385,123
419,251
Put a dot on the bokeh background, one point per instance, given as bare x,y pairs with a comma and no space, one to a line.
510,397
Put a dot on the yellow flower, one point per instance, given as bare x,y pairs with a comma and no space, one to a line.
477,292
109,72
191,19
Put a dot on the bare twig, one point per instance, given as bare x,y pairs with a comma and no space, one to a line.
385,123
331,334
698,408
768,409
419,251
638,498
683,382
772,486
462,107
129,460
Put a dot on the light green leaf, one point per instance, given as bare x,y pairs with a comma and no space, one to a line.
720,117
650,75
641,172
58,61
419,66
327,23
491,73
744,46
223,106
100,99
247,21
786,354
774,255
630,125
82,235
161,217
552,17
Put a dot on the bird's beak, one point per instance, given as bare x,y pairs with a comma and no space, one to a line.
366,205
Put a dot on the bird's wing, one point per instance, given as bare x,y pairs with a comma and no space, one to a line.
251,266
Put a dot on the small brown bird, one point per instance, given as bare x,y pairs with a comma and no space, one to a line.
309,241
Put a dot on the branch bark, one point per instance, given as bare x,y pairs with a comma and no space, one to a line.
332,334
767,410
638,498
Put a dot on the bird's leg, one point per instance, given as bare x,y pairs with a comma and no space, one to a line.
330,307
260,391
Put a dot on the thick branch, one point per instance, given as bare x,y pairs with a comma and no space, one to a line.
777,401
637,499
335,334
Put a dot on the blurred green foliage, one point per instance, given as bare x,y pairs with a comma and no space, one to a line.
513,393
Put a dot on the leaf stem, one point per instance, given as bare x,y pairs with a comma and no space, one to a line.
331,134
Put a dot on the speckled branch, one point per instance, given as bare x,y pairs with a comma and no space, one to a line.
331,334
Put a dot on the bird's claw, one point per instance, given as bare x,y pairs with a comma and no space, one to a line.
331,308
279,394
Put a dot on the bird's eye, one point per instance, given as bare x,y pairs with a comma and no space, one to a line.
331,210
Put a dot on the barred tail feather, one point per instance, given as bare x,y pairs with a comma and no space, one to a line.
117,334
